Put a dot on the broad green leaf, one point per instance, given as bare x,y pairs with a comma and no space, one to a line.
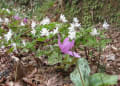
54,58
81,71
101,79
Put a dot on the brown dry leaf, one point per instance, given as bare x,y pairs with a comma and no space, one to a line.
26,80
14,84
52,81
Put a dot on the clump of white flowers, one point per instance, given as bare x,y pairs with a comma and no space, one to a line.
14,46
8,35
72,35
1,20
22,24
33,25
33,31
73,25
6,20
23,42
76,22
55,31
46,20
8,10
44,32
63,18
94,32
105,25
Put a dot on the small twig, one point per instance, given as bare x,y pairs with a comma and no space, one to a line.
16,69
86,53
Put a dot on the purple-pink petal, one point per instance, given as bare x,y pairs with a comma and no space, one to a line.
25,20
73,54
16,17
66,46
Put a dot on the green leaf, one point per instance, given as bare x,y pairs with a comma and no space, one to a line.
42,39
10,50
101,79
54,58
81,71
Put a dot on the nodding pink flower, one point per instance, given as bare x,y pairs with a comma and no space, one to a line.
25,20
66,47
16,17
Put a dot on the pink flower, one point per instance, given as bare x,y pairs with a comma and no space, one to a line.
25,20
16,17
66,46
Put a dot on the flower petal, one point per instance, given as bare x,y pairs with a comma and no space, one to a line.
73,54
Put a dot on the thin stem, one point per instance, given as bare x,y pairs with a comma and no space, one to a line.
81,76
102,81
86,53
98,64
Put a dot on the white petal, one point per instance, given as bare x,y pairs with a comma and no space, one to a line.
46,20
106,25
8,35
62,18
75,19
94,32
44,32
22,24
33,24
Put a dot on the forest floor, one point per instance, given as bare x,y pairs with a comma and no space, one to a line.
26,70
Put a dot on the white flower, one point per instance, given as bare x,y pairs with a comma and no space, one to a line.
76,22
55,31
62,18
1,20
2,46
33,24
106,25
3,8
23,42
72,35
8,10
44,32
46,20
0,37
75,19
22,24
14,45
8,35
94,32
6,20
71,28
33,31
